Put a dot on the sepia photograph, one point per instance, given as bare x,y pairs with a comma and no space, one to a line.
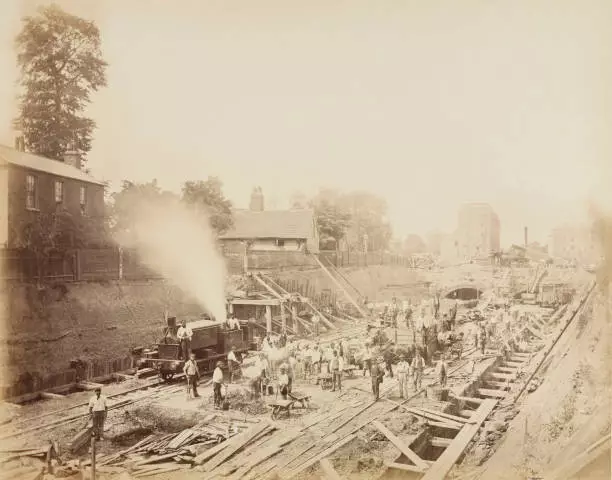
305,239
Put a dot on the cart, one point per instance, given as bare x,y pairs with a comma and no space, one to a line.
300,398
280,407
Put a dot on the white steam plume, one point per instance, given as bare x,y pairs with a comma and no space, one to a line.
177,243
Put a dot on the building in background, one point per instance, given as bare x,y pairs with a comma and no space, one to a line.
576,243
434,241
32,186
272,230
478,231
477,235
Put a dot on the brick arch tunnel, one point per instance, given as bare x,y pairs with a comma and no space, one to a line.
464,292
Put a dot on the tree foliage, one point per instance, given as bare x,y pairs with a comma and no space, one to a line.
333,220
61,64
207,196
122,203
369,217
351,216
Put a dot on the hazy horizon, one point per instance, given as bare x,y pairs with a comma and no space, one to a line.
428,104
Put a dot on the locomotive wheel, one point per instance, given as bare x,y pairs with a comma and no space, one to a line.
166,377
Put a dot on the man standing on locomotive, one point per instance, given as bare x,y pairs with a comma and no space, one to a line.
184,335
192,373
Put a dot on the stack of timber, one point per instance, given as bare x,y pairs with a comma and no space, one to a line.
161,453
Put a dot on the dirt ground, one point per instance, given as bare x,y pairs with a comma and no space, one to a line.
570,409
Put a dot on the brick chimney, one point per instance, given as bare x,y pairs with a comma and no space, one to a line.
20,143
257,200
72,157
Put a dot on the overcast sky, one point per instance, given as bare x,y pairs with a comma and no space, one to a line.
427,103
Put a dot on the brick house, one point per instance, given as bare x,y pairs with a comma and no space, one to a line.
31,185
274,238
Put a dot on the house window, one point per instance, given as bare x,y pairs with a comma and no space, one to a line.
31,192
83,199
59,192
280,243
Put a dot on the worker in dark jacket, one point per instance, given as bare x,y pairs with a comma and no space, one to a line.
377,372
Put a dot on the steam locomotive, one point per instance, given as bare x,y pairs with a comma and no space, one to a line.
211,342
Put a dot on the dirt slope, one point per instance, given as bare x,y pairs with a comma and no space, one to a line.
570,410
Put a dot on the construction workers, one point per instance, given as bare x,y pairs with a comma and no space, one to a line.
184,335
283,381
377,373
442,371
403,371
192,374
217,382
336,366
98,409
233,364
417,367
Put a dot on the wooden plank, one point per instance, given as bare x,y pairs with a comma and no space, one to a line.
466,413
469,399
508,369
51,396
441,442
435,418
252,461
444,425
485,392
80,440
452,453
418,461
406,467
453,418
325,453
499,385
328,470
245,301
211,452
502,376
236,443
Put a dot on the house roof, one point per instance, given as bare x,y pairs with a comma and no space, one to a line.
294,224
11,156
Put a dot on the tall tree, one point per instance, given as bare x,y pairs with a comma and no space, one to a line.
333,220
61,64
369,218
208,196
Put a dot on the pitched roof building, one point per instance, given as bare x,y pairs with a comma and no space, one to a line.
31,185
273,230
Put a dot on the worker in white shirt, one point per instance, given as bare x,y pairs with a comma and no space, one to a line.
98,410
192,374
283,381
316,360
441,371
234,323
233,364
217,382
315,324
292,362
184,335
403,369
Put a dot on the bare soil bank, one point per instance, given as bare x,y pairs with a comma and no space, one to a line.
44,330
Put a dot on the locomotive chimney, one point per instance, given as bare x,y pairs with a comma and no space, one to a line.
172,322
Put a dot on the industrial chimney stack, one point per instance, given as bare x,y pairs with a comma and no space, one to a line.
526,238
257,200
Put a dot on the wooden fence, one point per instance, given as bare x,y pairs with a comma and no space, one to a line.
105,264
31,383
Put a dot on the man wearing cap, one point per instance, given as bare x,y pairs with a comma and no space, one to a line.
232,364
217,381
418,365
403,368
184,335
98,410
192,373
283,381
377,372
